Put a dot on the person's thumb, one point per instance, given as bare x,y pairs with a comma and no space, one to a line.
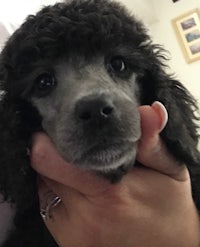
152,152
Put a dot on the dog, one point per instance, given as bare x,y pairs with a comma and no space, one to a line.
78,71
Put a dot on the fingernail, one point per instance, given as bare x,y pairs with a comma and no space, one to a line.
162,113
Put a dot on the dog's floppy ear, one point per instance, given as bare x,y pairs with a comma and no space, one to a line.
16,174
181,132
17,122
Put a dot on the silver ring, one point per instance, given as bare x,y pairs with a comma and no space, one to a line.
52,201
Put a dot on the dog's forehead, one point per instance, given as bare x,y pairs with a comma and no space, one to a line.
85,78
80,72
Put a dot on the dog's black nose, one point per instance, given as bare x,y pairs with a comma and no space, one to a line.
94,110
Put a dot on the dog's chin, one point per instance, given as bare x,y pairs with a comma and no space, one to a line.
112,164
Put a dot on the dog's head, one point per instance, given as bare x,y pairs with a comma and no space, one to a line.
77,64
86,66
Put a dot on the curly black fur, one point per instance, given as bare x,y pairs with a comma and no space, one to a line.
79,28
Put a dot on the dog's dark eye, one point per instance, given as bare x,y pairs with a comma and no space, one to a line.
117,64
44,84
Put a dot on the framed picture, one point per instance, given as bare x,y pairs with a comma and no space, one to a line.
187,28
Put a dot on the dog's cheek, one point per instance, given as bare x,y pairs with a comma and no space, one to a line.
48,113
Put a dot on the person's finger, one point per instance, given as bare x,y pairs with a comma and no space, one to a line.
47,200
152,152
58,219
47,161
68,195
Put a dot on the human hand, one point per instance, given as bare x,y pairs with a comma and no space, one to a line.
151,206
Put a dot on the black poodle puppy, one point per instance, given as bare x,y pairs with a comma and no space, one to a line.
79,71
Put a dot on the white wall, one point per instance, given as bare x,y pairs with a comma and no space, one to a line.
15,11
143,9
163,33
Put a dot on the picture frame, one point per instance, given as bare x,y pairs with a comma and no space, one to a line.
187,29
